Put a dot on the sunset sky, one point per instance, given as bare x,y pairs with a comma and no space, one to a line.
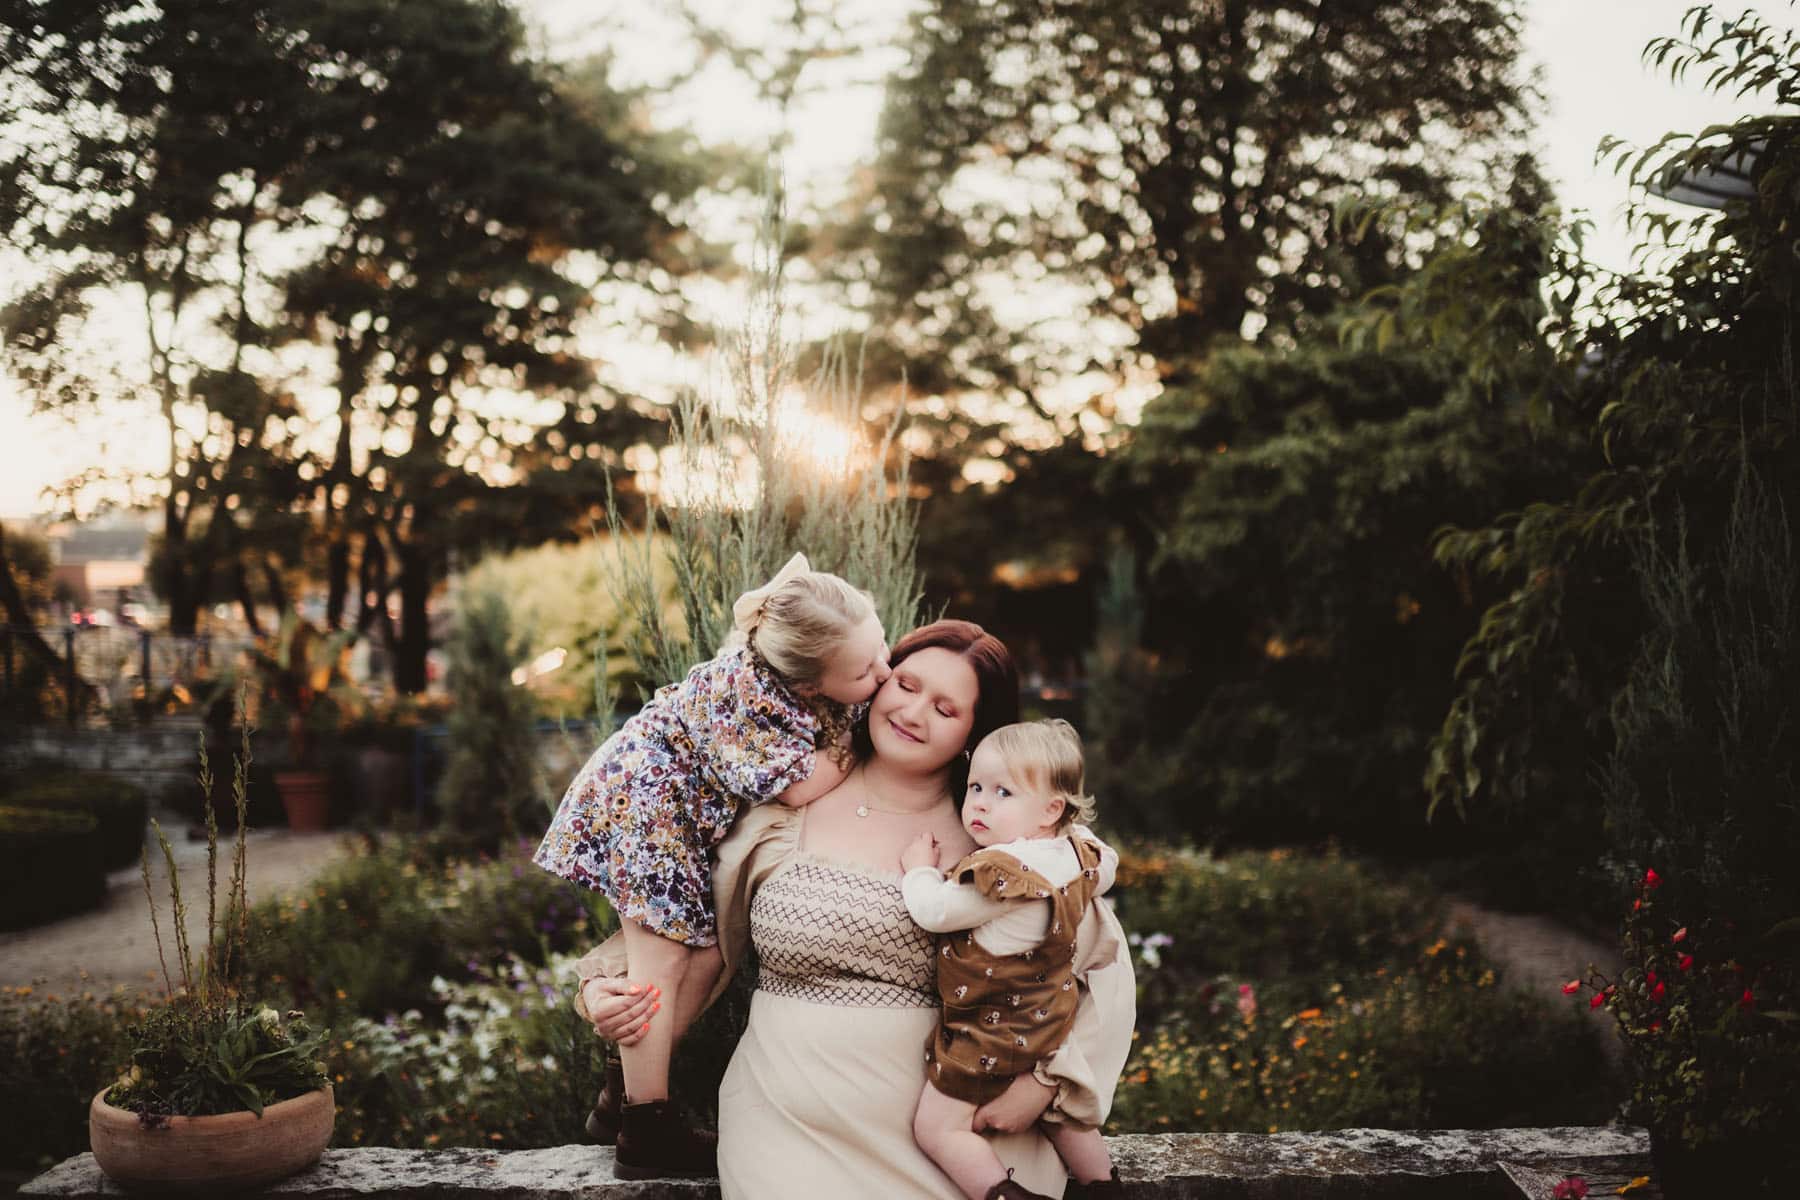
1588,51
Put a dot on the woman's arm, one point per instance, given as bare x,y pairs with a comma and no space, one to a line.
827,774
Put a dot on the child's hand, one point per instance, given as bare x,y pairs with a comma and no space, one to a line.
922,851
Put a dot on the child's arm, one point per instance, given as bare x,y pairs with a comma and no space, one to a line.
827,773
937,904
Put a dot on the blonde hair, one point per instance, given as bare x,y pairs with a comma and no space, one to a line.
1047,755
797,620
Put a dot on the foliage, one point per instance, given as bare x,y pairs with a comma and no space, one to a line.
562,597
416,196
491,787
1683,373
52,1050
1282,507
510,1065
303,685
119,808
53,864
371,932
198,1059
748,492
1435,1044
1707,1009
206,1049
1283,991
1163,173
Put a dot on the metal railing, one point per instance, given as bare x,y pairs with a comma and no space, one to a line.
120,663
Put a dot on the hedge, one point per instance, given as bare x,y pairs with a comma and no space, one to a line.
50,865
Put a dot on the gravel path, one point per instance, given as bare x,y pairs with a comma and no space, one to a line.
1539,955
111,945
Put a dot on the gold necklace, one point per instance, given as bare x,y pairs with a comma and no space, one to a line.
864,809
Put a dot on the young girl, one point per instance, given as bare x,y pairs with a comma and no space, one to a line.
1007,990
768,718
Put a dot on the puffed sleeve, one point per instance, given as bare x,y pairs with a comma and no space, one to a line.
761,841
756,738
1085,1069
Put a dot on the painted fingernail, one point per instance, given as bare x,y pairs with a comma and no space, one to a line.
644,1028
656,1006
634,989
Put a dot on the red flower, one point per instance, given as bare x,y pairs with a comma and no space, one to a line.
1655,1026
1686,963
1572,1188
1652,879
1637,904
1747,1001
1571,987
1679,937
1650,977
1598,1000
1656,993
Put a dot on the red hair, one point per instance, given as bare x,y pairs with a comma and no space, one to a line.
996,683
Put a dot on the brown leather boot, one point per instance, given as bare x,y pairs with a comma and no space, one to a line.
655,1143
1006,1189
603,1122
1104,1189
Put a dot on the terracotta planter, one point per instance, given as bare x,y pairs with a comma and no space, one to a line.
227,1152
306,796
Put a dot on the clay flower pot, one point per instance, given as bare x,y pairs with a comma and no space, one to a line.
226,1152
306,795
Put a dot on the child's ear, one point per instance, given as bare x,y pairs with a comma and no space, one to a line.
1053,810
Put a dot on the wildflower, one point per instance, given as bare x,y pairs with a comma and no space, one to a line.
1597,1000
1651,879
1747,1001
1637,904
1686,963
1572,1188
1642,1181
1657,992
1679,936
1310,1014
1571,987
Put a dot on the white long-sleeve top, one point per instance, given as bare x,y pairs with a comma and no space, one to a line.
942,905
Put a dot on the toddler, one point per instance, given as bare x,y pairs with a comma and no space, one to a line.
1009,912
768,718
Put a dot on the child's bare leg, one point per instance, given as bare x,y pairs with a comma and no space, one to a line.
703,967
1083,1151
660,962
944,1127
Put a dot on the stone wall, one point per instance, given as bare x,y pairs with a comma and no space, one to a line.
1352,1164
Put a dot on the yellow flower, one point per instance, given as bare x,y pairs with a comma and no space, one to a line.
1642,1181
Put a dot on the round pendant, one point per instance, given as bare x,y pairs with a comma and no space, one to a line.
862,810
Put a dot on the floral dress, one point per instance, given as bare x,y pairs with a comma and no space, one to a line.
641,817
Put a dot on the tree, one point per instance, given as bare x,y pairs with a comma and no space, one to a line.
1164,172
492,788
163,166
465,176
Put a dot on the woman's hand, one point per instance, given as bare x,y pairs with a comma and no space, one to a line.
922,851
620,1010
1017,1108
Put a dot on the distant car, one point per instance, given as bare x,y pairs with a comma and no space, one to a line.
98,618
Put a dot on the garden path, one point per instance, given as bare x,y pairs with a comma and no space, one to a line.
111,946
1538,954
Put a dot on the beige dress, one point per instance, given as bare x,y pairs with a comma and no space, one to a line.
819,1095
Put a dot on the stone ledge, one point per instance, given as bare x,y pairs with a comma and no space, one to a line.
1348,1164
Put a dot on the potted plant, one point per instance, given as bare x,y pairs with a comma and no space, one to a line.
221,1094
304,688
1706,1013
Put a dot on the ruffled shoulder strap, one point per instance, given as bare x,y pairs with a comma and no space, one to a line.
1000,876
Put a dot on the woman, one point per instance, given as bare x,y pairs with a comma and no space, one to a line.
819,1095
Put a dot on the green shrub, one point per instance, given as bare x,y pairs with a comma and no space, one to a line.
55,1053
52,865
1438,1044
510,1065
492,788
120,808
1263,915
366,937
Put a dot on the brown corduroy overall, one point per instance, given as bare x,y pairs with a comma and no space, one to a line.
1002,1014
